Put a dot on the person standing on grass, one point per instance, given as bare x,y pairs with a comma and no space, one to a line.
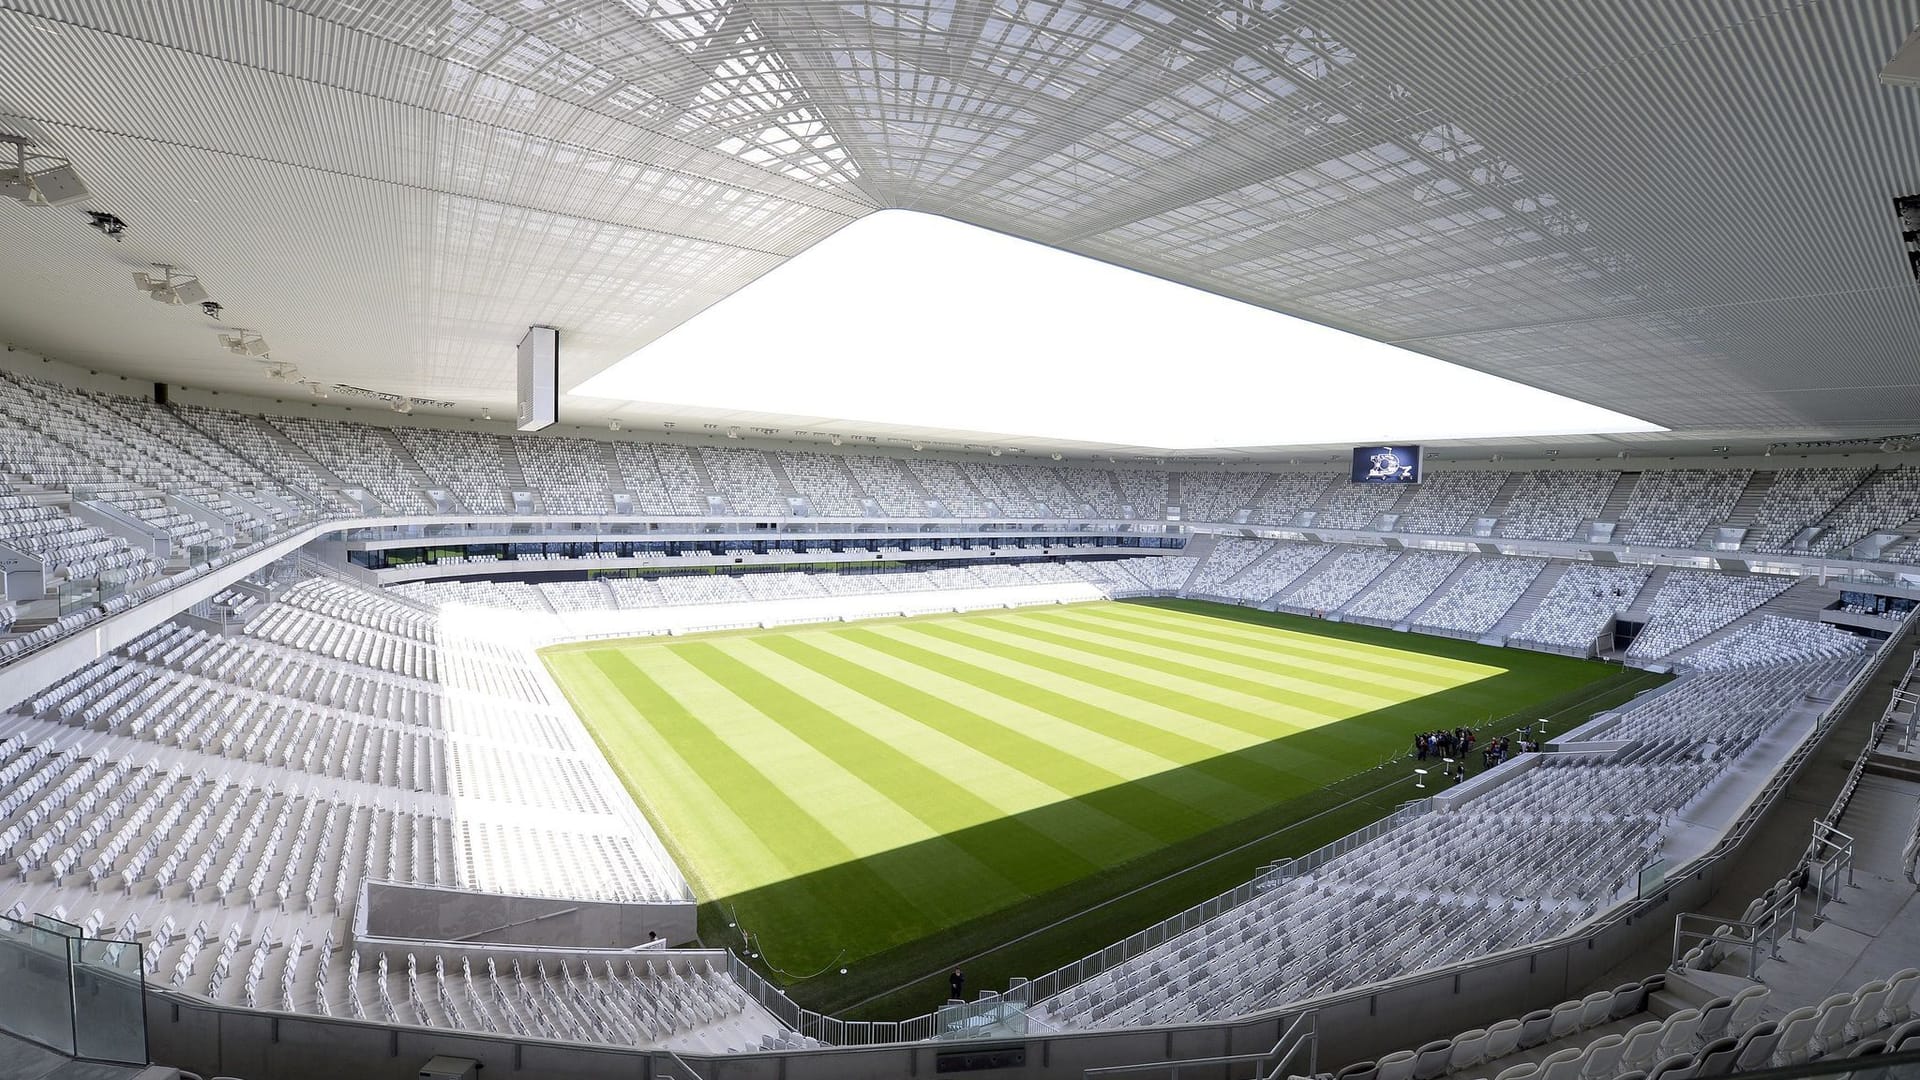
957,985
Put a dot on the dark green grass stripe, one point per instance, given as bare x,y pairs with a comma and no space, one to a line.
1093,643
1227,794
780,823
1377,660
1255,768
1148,814
1024,858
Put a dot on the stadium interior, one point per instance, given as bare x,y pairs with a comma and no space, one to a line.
391,688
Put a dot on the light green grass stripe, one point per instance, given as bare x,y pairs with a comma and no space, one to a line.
863,819
664,784
1259,760
1135,820
1375,659
1201,672
1091,742
1275,665
1016,857
1309,655
1217,719
790,663
1249,705
1201,781
787,831
1005,704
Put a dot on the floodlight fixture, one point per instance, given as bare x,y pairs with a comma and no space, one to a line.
281,371
170,288
243,342
316,389
402,405
1907,208
110,225
34,179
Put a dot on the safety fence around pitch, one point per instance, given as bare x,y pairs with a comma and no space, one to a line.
1005,1014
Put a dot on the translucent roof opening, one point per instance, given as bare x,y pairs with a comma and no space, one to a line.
913,321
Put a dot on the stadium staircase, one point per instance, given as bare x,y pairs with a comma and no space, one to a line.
1637,611
1413,617
1748,505
1497,507
707,487
1804,601
1847,502
1200,547
510,465
911,481
1619,498
1517,615
780,477
1329,493
288,446
1370,586
403,457
616,476
1259,496
1307,575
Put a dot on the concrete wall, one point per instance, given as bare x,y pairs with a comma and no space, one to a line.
425,913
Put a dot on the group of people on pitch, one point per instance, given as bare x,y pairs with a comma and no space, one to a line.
1454,746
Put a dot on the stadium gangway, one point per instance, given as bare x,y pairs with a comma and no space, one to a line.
1748,935
1301,1033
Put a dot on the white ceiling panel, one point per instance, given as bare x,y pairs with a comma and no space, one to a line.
1676,209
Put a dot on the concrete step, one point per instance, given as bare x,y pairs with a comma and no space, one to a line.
1895,766
1802,601
787,490
404,458
1620,497
1637,611
287,445
1504,497
1692,989
1524,606
1414,616
1200,547
1745,507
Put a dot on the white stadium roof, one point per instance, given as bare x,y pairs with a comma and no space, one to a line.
1675,210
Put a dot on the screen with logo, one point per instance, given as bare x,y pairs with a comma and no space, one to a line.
1386,464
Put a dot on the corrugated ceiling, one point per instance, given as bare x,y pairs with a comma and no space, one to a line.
1678,209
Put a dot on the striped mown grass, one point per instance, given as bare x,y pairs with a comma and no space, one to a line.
879,795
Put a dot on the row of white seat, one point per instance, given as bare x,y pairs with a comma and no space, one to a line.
1591,821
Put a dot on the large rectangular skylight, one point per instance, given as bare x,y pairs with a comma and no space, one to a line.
910,320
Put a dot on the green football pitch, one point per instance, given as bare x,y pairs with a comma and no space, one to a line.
894,796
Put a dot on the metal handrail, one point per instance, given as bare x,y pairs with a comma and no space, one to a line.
1765,928
1831,856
